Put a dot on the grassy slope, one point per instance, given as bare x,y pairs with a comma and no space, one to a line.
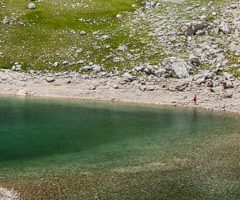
51,33
48,32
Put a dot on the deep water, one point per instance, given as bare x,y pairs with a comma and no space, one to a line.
53,149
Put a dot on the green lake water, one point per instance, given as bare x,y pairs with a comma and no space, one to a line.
75,150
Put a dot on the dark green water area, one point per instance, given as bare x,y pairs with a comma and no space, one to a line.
52,149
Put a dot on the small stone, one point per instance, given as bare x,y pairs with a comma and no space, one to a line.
65,62
194,60
128,77
227,96
50,79
233,6
214,13
6,20
181,86
122,48
119,16
56,64
96,68
83,33
31,6
200,32
92,88
203,17
150,88
118,60
86,68
115,87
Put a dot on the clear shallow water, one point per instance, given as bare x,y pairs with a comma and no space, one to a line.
68,150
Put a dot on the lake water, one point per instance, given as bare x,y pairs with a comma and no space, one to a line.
69,150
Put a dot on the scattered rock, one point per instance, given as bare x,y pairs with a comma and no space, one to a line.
181,86
50,79
31,5
56,64
128,77
227,95
6,20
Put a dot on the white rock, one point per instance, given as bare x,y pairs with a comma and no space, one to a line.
50,79
56,64
119,16
180,68
83,33
31,6
214,13
118,60
128,77
6,20
96,68
233,6
122,48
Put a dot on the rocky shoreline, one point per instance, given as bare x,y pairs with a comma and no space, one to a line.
196,52
214,91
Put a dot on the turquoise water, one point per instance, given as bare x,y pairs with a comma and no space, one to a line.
70,150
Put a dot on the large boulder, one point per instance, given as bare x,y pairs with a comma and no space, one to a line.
180,68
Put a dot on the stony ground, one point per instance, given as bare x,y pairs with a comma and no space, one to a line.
166,38
214,91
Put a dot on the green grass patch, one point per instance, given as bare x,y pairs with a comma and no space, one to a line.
51,32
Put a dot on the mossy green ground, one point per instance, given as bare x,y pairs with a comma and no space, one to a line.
51,32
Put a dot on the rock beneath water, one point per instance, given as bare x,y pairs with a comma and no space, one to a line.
8,194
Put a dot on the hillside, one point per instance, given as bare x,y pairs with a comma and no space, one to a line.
172,38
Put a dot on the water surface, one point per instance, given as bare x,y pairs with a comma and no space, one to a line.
70,150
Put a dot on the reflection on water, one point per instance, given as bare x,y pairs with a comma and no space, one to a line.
69,150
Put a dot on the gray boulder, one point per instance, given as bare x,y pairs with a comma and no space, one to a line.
128,77
180,68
